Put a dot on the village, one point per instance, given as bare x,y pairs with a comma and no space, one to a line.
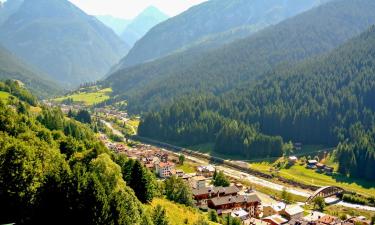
235,200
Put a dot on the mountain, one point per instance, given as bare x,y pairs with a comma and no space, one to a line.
118,25
61,40
8,8
153,84
324,100
140,25
209,18
13,68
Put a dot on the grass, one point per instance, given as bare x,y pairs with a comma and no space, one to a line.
134,123
263,167
272,192
4,95
187,167
301,174
88,98
177,213
336,210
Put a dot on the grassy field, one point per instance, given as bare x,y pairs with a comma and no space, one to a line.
271,192
301,174
177,213
88,98
335,210
188,167
4,95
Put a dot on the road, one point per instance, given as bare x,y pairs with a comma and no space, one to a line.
114,131
253,179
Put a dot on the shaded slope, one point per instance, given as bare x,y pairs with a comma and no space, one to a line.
61,40
13,68
210,18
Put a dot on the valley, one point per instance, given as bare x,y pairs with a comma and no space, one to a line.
204,112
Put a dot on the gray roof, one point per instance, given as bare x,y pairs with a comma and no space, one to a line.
235,199
222,190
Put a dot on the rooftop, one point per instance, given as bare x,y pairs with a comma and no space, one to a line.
277,219
221,190
239,213
294,210
235,199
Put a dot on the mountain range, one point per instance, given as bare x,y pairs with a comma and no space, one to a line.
319,30
59,39
201,22
118,25
141,24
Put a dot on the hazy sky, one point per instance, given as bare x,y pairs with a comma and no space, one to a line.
131,8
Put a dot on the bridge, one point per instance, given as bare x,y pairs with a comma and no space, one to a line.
325,192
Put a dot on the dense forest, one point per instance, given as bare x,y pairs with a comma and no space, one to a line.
314,102
201,24
153,85
53,170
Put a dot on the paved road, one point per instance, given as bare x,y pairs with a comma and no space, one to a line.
114,131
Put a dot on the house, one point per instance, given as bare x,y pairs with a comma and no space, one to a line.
292,212
275,220
249,203
269,210
328,220
163,169
314,216
240,213
206,171
180,173
211,192
299,222
359,220
311,164
198,182
254,221
328,170
292,159
320,166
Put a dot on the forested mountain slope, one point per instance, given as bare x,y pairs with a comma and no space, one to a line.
13,68
61,40
326,100
317,31
55,170
209,18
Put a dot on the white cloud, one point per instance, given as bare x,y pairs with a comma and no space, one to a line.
131,8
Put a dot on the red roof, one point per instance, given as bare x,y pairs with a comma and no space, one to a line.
163,164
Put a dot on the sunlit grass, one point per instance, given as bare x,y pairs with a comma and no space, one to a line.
177,213
88,98
301,174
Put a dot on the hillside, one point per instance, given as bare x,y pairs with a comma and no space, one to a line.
55,167
317,31
140,25
326,100
209,18
61,40
13,68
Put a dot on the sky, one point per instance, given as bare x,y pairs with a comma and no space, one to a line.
129,9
